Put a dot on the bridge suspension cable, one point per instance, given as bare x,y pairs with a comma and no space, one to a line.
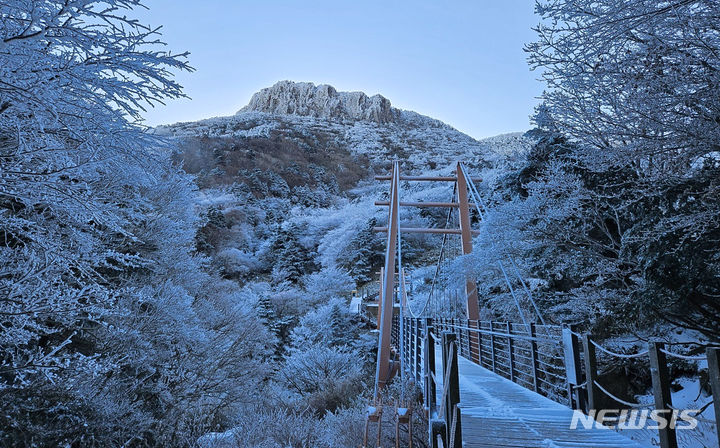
440,259
480,203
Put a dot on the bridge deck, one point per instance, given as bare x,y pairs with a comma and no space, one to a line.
498,413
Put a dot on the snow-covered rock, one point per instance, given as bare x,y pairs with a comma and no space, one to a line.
321,101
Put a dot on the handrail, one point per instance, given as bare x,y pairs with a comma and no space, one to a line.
534,362
518,353
685,357
446,375
499,333
445,422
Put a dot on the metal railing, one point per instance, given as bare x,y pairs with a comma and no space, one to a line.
656,354
444,420
553,361
529,355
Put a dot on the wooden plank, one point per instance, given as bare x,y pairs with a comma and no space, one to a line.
423,204
534,357
450,359
573,369
593,394
425,230
429,368
427,178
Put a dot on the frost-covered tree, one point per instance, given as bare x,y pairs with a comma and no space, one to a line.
113,332
292,259
329,325
364,253
322,378
636,80
635,87
592,248
277,185
75,78
327,284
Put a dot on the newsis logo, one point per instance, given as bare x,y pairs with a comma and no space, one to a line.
635,419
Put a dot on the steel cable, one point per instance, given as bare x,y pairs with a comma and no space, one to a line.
619,355
479,202
621,401
686,357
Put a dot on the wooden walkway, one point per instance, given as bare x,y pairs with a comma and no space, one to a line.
497,413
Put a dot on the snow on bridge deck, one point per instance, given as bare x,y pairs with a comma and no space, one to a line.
497,413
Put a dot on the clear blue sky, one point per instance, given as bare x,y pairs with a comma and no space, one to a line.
458,61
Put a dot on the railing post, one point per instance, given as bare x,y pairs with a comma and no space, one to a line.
410,345
450,357
406,346
661,391
380,299
573,369
429,364
409,355
401,346
412,355
475,347
713,359
591,373
534,357
418,348
464,337
510,351
492,345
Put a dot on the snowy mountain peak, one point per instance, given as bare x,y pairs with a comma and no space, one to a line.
322,101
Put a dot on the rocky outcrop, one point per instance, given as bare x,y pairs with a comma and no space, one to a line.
322,101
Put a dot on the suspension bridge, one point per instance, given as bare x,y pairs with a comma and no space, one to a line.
500,384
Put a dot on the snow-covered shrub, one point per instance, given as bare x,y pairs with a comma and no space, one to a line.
258,427
327,284
235,262
323,378
329,325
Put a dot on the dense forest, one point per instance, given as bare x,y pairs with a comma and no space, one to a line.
182,285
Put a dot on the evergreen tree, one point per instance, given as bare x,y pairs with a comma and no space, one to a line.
268,316
341,333
278,187
364,254
293,259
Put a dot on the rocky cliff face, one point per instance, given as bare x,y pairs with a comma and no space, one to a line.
321,101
